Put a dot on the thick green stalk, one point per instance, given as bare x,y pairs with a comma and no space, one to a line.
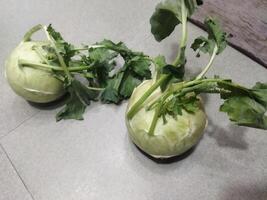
46,67
191,86
137,106
183,40
118,81
28,35
183,88
195,82
184,34
96,89
157,112
154,121
51,67
60,58
89,47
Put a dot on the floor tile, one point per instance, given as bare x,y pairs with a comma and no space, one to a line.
94,159
79,21
11,186
13,109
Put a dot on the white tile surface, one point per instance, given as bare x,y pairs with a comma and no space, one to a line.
94,159
11,186
13,110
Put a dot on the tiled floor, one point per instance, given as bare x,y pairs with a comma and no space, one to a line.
11,185
94,159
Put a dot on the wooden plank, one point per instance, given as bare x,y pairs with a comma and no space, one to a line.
246,20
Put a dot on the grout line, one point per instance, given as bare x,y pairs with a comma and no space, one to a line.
16,171
20,124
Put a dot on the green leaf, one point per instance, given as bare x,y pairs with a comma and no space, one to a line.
245,107
80,97
55,35
216,36
216,33
191,104
163,23
168,15
260,93
140,66
176,72
160,61
101,60
120,48
245,111
203,44
97,65
176,75
111,93
83,92
101,55
134,71
176,105
129,83
65,49
74,109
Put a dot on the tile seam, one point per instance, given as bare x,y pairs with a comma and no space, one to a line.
20,124
16,171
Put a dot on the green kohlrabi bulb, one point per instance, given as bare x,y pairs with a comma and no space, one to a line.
33,84
170,139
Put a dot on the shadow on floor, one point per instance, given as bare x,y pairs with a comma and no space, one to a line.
50,106
232,136
168,160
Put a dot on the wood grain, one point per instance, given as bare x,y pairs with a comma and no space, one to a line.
246,20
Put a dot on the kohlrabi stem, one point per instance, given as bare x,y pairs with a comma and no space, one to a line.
206,69
195,82
137,106
28,35
89,47
60,58
154,121
37,50
176,62
96,89
50,67
118,81
191,86
184,34
157,112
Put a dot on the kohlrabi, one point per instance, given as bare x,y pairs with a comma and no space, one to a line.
26,79
43,71
165,116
